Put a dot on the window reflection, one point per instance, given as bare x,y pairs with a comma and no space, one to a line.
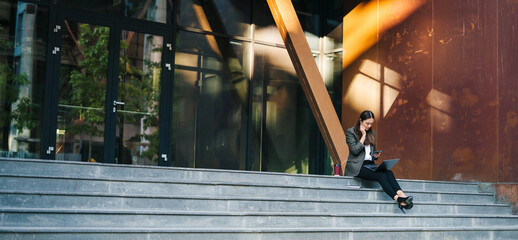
22,74
265,28
308,13
280,115
230,17
332,75
210,102
333,30
137,131
151,10
282,133
82,92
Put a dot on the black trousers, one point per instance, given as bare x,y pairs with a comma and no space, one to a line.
385,178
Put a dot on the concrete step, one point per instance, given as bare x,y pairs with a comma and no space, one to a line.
194,219
45,199
359,233
70,200
167,174
79,185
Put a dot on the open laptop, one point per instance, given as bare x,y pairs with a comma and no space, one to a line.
385,165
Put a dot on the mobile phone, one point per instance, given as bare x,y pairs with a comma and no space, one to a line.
372,153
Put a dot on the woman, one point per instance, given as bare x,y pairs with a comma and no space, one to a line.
362,150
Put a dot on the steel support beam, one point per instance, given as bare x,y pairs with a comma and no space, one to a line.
309,76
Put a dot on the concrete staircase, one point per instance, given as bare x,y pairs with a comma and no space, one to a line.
70,200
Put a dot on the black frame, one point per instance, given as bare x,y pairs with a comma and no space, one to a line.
116,24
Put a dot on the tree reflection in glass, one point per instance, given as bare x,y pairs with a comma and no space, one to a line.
139,88
82,95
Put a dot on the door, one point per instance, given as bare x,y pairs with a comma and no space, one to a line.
137,103
110,76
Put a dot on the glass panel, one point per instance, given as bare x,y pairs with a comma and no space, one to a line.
82,92
22,77
210,102
265,28
231,17
184,112
106,6
283,131
139,90
333,75
333,81
334,27
308,13
151,10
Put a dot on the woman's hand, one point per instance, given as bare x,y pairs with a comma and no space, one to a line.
376,155
362,129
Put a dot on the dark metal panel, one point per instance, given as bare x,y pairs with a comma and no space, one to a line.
166,100
51,84
111,95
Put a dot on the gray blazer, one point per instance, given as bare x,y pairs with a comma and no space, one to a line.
356,152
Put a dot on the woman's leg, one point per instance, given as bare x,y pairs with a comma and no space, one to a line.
381,178
393,182
395,185
400,194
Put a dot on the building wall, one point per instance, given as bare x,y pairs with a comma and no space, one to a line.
231,100
443,83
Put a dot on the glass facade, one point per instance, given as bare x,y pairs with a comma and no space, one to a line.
224,94
210,101
282,123
23,44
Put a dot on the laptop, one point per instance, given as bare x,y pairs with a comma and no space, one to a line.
385,165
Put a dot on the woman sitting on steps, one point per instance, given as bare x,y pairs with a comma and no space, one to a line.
361,140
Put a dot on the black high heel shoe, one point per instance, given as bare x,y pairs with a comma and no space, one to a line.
409,206
407,200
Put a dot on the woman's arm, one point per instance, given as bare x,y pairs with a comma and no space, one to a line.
355,146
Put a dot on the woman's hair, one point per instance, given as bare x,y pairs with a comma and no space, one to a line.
369,139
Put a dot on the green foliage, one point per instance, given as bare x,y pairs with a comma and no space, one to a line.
5,45
24,116
141,94
137,88
89,81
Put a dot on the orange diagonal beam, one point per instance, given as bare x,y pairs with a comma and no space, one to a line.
310,78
